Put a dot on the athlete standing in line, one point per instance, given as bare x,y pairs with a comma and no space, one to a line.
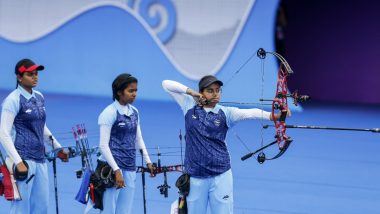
120,135
23,134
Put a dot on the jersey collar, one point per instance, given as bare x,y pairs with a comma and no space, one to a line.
25,93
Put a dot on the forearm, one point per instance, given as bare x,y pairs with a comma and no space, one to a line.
248,114
180,93
141,145
174,87
49,138
192,92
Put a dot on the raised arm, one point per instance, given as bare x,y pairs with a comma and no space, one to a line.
235,115
176,90
183,95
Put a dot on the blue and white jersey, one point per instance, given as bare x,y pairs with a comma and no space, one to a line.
28,125
206,152
123,132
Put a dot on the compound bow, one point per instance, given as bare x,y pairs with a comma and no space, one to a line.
279,107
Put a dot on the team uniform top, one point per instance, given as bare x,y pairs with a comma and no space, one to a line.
23,129
120,132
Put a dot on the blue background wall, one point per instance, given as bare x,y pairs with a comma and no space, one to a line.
85,54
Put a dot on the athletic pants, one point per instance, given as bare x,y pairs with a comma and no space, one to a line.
119,201
216,191
35,194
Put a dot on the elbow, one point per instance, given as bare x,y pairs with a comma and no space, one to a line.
3,135
165,84
102,148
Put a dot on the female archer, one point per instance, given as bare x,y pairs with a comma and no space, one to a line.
23,132
207,159
120,134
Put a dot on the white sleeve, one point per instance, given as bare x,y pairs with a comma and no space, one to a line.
7,119
141,144
12,103
105,135
47,134
235,115
108,116
178,92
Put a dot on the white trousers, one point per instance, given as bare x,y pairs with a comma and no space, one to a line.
216,191
35,194
119,201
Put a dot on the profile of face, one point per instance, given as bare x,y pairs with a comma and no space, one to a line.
128,95
28,80
212,94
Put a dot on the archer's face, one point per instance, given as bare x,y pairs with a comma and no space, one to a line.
212,93
128,95
28,80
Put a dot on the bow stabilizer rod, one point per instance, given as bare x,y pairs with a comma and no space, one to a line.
374,130
244,103
245,157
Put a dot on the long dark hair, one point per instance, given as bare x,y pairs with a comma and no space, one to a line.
120,83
